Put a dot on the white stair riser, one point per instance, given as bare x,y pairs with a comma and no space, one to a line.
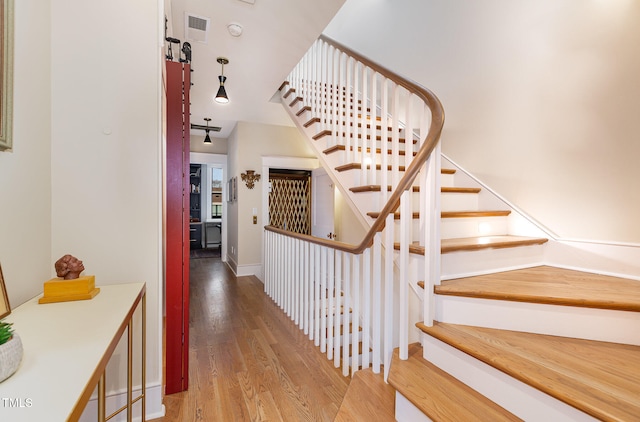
566,321
459,202
447,180
407,411
466,264
517,397
451,228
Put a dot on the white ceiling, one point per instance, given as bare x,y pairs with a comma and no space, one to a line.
276,33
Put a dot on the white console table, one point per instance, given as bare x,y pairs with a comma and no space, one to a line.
66,349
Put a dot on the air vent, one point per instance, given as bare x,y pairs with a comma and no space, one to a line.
196,28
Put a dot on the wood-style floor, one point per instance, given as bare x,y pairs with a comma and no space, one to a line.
248,360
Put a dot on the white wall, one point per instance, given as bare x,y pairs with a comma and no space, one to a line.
106,139
69,187
248,144
541,97
217,145
25,193
349,228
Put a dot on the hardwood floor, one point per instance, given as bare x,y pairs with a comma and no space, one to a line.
248,360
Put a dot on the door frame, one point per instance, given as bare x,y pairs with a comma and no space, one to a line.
218,160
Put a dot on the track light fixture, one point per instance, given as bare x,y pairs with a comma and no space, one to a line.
207,140
221,96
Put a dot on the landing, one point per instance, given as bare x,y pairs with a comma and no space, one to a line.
550,285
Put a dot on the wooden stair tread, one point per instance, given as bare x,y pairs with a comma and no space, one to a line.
599,378
358,166
452,189
368,398
549,285
439,395
479,243
474,214
377,188
453,214
488,242
337,148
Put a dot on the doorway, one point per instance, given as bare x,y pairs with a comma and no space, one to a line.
213,214
290,200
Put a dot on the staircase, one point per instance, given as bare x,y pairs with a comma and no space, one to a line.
500,336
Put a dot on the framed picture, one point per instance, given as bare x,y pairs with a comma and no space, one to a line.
6,75
5,309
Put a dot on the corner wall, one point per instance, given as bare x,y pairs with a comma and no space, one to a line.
25,191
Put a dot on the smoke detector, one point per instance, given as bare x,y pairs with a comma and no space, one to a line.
235,29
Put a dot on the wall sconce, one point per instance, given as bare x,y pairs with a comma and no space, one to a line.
221,96
250,177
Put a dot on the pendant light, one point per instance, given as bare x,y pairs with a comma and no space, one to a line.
221,96
207,140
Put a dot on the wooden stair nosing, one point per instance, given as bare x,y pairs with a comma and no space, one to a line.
479,243
549,285
283,85
328,132
475,214
453,189
488,242
295,101
601,379
358,166
302,110
378,188
344,123
439,395
337,148
396,215
453,214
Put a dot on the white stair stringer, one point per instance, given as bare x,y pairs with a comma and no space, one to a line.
515,396
565,321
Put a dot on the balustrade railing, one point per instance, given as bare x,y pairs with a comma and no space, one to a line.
353,300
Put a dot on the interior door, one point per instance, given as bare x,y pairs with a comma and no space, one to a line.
176,231
322,204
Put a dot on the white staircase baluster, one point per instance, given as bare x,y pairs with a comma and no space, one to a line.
356,312
337,332
376,306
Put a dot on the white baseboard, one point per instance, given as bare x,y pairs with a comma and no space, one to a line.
153,405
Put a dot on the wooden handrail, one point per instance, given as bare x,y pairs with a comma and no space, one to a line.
405,183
